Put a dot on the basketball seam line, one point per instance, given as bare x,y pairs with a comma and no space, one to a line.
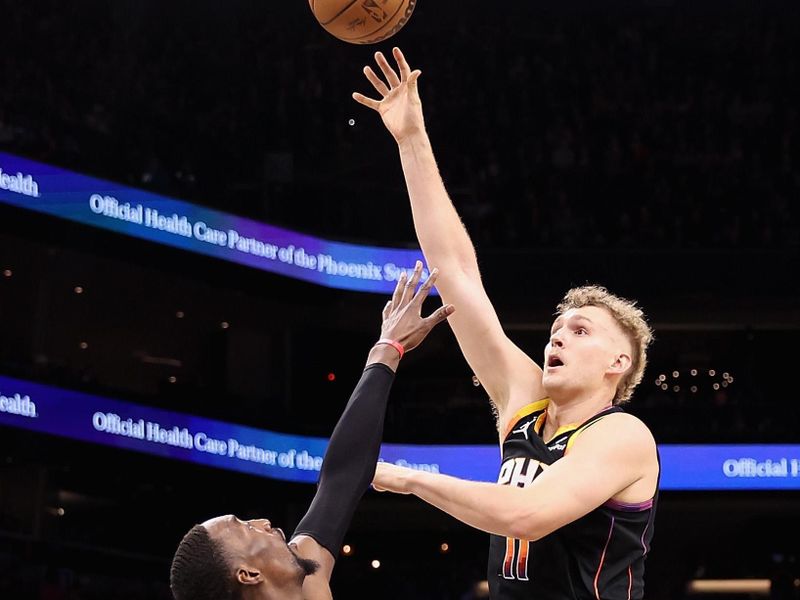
388,21
339,14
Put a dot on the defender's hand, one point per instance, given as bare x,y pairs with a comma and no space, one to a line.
402,315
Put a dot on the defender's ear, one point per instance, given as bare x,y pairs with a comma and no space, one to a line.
247,576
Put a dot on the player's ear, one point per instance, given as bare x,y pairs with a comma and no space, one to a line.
249,576
621,364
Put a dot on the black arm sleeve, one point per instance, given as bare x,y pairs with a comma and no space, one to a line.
349,463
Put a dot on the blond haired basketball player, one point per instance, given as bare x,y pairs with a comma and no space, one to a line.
571,515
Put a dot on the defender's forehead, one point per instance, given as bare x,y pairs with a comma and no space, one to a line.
218,522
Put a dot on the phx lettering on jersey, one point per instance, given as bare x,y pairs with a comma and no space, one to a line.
519,471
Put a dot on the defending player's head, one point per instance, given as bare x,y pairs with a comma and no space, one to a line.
598,342
226,558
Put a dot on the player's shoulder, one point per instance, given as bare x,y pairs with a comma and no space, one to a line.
626,429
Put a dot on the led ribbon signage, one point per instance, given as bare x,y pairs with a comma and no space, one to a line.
88,418
111,206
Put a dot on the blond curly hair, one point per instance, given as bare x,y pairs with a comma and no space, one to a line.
631,320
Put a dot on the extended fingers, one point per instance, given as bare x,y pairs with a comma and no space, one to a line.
411,285
387,310
399,289
368,102
426,287
388,72
402,64
376,81
440,314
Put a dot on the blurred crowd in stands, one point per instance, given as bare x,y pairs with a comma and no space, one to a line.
662,124
667,125
624,125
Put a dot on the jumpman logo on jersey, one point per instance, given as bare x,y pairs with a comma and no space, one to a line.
524,428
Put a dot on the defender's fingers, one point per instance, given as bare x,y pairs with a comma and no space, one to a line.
426,287
387,310
399,289
411,286
440,314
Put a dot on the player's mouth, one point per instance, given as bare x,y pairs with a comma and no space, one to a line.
554,362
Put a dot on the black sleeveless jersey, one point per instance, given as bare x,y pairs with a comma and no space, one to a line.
597,557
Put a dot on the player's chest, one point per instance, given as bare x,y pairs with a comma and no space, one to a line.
526,455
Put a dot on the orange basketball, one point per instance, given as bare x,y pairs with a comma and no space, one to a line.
362,21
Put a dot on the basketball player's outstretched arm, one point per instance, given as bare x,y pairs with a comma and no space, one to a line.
613,459
349,463
509,376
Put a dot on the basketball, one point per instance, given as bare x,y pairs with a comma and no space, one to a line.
362,21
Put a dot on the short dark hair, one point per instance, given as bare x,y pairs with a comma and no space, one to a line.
200,570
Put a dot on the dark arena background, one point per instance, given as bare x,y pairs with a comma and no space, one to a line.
651,146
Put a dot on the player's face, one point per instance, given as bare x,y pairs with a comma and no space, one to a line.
586,345
257,547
